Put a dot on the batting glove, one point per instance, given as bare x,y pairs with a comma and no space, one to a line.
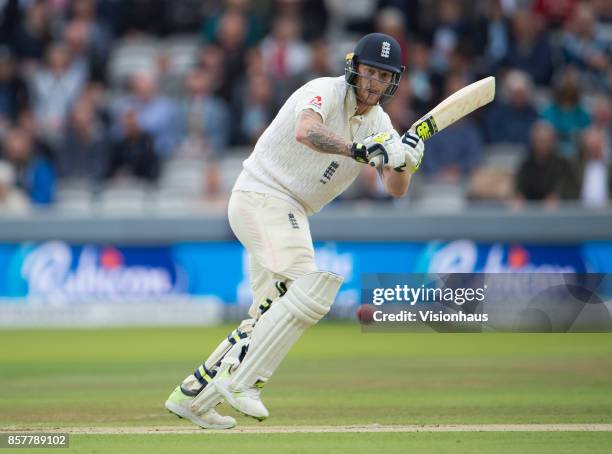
414,148
384,145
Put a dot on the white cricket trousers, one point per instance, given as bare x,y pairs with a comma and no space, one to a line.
277,238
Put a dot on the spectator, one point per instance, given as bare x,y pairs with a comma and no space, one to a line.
583,47
253,29
133,156
311,14
255,62
567,114
510,118
555,12
157,115
27,122
231,39
169,82
12,199
212,60
457,151
448,30
530,49
83,154
95,94
602,120
98,36
14,95
461,62
391,22
139,17
184,16
98,33
423,84
54,89
320,63
9,22
258,107
491,35
109,13
33,33
205,119
545,175
603,12
410,11
594,173
75,39
285,56
34,174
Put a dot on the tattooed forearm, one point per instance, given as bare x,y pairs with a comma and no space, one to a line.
315,134
321,138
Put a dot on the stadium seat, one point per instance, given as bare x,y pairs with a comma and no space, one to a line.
505,156
73,200
123,199
173,200
441,198
182,51
183,175
229,168
131,56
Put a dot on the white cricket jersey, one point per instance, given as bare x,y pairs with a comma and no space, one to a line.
285,168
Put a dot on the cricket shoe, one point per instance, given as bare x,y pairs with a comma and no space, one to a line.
246,401
180,404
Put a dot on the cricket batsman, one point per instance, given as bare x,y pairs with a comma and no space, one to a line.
311,152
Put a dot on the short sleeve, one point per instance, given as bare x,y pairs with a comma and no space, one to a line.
318,95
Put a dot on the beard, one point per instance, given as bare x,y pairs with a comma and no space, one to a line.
367,98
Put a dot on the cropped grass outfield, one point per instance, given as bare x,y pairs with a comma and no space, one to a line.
335,376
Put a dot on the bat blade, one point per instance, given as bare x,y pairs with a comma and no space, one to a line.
455,107
461,103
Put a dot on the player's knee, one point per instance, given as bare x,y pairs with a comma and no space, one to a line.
310,297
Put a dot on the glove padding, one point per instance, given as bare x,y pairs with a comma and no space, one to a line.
388,146
414,148
398,153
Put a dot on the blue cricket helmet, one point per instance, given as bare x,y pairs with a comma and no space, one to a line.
380,51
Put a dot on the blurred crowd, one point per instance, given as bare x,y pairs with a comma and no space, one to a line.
98,93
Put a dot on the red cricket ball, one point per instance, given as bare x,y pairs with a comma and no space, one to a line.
365,314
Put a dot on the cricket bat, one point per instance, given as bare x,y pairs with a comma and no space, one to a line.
453,108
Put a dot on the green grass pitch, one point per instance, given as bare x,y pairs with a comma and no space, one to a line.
335,376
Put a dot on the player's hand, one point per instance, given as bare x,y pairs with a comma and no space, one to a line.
414,148
384,145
